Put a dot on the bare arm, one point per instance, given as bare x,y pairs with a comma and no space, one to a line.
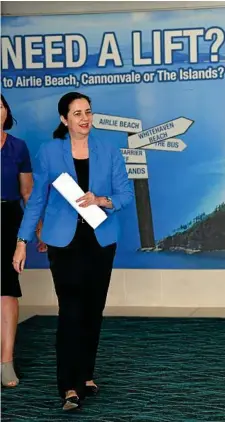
26,184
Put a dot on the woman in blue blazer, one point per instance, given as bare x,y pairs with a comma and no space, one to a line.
81,258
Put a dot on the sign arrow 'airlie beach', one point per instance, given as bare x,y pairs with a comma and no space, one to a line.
160,133
123,124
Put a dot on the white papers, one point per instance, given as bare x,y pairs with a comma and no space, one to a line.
71,191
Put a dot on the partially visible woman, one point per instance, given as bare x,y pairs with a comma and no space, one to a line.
16,184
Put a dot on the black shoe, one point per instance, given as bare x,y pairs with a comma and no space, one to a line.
91,390
71,403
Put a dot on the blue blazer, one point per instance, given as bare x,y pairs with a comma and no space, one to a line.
107,177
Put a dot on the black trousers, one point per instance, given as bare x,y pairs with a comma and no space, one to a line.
11,216
81,274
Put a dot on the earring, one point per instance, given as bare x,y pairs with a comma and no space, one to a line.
65,124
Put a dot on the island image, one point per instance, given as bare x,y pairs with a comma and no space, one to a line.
205,233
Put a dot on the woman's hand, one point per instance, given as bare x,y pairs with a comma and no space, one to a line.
88,199
41,246
19,257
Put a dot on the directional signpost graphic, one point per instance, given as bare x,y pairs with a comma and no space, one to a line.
158,138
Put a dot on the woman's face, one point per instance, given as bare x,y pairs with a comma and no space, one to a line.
3,114
79,117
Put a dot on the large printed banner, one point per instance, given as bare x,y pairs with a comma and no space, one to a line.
157,84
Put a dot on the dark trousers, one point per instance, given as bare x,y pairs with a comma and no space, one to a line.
11,216
81,274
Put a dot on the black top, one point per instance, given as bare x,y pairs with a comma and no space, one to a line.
82,170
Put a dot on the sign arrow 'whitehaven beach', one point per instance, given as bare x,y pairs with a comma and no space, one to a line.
171,145
123,124
160,133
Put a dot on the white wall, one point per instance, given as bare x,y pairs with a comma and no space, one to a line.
138,288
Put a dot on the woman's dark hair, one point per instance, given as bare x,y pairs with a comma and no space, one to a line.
8,124
63,109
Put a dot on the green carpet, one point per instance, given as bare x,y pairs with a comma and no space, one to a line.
148,369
